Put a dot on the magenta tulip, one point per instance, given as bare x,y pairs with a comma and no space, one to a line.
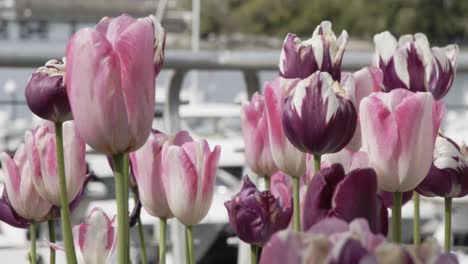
317,117
110,79
410,63
20,190
147,168
46,94
398,133
358,86
323,52
42,156
448,175
286,156
256,215
188,176
255,131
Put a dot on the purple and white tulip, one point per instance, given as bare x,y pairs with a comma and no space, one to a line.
317,117
42,156
188,176
332,193
256,215
46,94
410,63
110,80
147,168
448,175
21,193
323,52
286,156
256,137
398,131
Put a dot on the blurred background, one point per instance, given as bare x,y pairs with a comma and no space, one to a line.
218,53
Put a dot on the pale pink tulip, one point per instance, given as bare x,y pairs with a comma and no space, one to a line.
286,156
96,239
257,143
349,159
22,194
359,85
147,168
42,156
398,133
188,176
110,79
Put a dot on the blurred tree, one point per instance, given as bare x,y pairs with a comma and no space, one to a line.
442,20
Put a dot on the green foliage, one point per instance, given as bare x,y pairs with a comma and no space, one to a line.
441,20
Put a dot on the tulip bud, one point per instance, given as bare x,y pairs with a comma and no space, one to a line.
111,75
46,94
255,131
42,155
410,63
399,131
285,155
189,169
333,193
317,118
448,175
22,194
323,52
147,168
256,215
95,240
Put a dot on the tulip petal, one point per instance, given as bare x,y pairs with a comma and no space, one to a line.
94,86
347,251
74,156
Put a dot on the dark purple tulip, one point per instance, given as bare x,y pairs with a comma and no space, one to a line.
350,251
332,193
256,215
317,118
323,52
448,176
46,94
410,63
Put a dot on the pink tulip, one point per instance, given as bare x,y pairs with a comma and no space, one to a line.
398,133
22,194
358,86
147,168
286,156
257,143
42,155
349,159
110,79
188,176
96,239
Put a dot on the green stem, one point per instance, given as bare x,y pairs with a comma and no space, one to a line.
162,240
253,254
416,220
396,217
448,224
267,182
32,234
64,209
191,252
317,163
122,211
126,191
296,213
51,224
144,259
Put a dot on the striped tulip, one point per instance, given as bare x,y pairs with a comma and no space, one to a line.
42,156
111,71
323,52
188,176
317,117
410,63
255,131
398,133
286,156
